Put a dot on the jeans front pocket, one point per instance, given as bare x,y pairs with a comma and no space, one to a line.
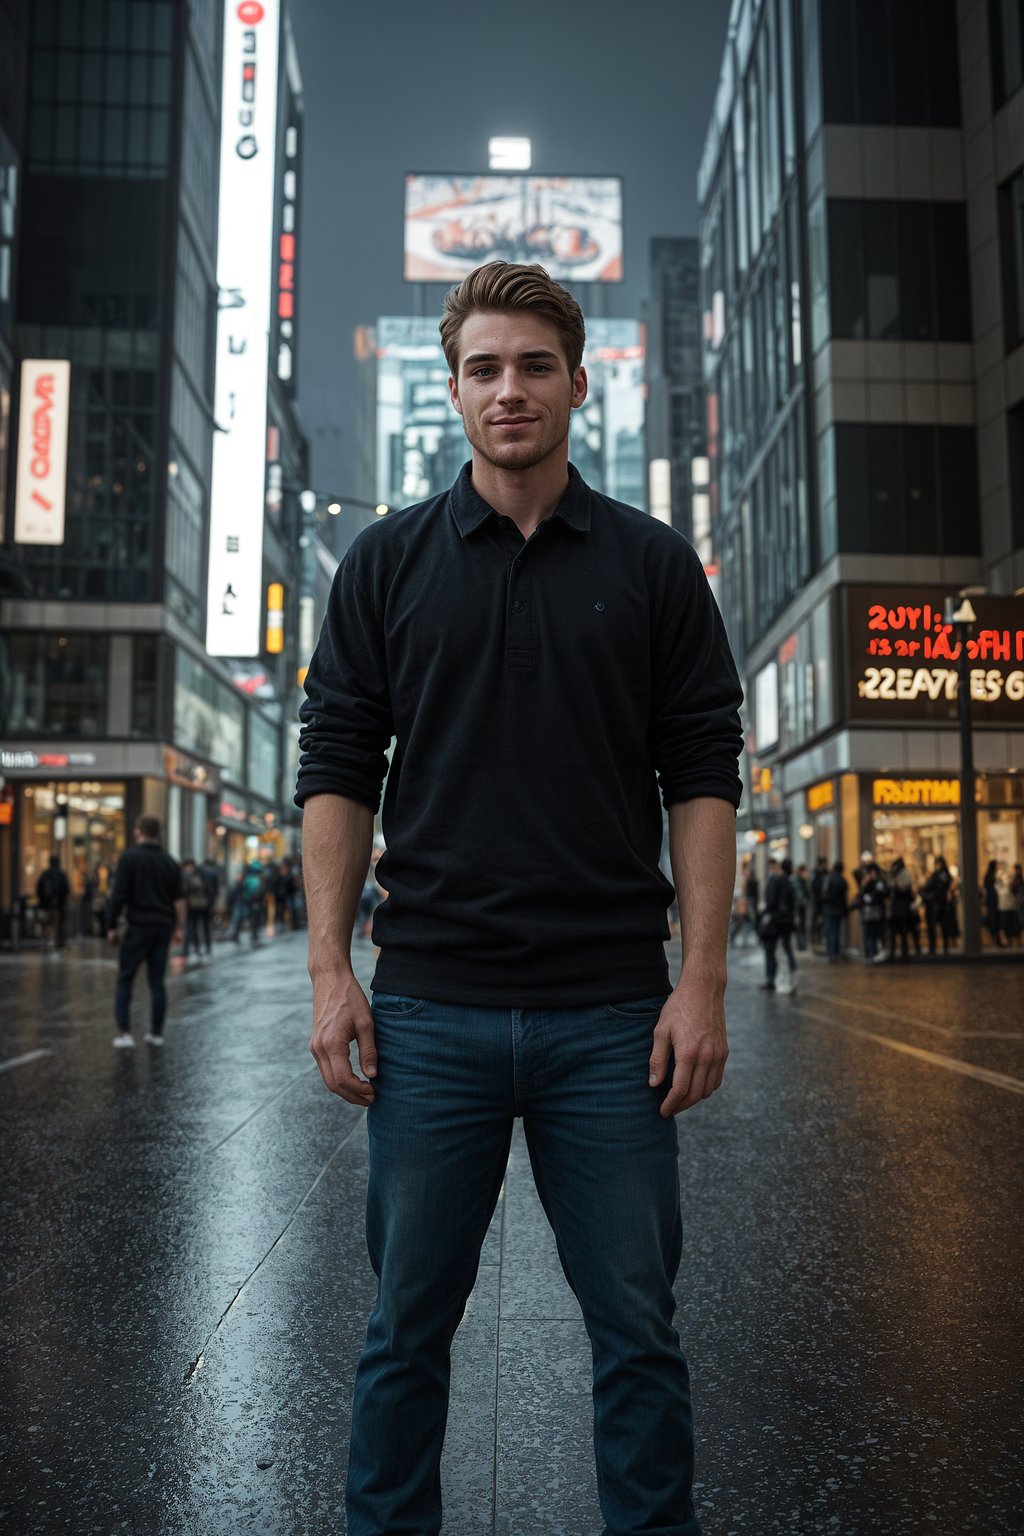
394,1006
642,1008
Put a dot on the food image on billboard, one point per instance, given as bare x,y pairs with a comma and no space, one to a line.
572,225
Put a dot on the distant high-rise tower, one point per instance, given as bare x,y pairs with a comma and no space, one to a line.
675,382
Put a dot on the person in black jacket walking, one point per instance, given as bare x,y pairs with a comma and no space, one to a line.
148,885
835,901
52,891
777,922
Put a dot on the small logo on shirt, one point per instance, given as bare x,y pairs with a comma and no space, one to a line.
599,607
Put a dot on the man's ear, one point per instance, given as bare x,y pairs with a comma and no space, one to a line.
453,390
579,388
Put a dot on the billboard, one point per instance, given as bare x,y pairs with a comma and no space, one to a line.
244,261
39,495
572,225
903,658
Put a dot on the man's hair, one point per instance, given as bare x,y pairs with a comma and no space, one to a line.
504,287
149,826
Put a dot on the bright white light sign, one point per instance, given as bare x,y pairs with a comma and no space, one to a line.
42,452
244,263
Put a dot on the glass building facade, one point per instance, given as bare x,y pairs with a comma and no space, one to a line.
108,259
857,448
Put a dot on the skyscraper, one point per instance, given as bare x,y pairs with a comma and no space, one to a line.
859,346
109,701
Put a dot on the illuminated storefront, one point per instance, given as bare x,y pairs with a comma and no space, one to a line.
856,721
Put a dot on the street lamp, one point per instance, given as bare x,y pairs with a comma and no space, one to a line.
960,613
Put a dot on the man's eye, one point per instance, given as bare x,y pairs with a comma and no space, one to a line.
479,373
541,367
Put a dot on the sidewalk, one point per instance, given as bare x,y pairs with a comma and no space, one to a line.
185,1281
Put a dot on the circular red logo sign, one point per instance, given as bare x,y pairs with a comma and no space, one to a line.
250,12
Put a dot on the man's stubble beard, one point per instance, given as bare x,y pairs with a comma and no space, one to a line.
516,457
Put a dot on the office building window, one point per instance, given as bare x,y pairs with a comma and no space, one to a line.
1015,446
812,68
1006,48
817,237
53,685
890,61
907,490
885,261
1011,220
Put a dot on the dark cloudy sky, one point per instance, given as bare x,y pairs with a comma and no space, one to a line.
603,87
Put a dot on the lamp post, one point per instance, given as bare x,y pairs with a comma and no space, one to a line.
960,613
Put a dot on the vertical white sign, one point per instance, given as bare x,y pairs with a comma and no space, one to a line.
39,495
244,265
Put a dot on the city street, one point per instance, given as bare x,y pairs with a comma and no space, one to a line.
185,1285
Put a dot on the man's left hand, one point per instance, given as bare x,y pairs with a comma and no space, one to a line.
692,1030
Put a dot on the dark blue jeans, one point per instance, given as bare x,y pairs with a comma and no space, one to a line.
151,945
833,924
451,1080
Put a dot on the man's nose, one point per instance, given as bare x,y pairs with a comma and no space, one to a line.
510,385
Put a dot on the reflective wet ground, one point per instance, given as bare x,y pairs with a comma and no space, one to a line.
184,1284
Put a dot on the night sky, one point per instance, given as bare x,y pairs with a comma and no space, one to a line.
603,87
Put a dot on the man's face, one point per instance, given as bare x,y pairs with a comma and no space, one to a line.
514,390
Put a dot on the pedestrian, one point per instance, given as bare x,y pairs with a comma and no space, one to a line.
544,657
254,895
818,882
777,922
834,907
744,907
197,897
1017,887
1009,922
210,872
149,887
935,893
52,892
903,917
801,904
990,899
871,900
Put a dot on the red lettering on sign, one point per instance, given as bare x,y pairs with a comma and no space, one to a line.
250,13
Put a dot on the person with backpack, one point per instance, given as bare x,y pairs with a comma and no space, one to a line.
197,895
52,892
873,892
777,922
254,894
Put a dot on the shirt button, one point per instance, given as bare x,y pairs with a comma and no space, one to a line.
518,562
517,606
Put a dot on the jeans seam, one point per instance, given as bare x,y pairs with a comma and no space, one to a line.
515,1021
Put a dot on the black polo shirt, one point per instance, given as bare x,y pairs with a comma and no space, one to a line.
538,692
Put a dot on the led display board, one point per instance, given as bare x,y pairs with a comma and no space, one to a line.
903,658
572,225
41,485
245,257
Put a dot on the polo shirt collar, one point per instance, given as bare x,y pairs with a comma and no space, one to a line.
470,511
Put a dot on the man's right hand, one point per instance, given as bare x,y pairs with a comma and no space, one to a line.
341,1014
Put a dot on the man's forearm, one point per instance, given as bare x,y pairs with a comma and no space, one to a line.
702,843
337,839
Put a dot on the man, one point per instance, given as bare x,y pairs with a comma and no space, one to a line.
52,892
149,885
543,656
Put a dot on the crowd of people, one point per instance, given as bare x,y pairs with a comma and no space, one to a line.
812,909
259,898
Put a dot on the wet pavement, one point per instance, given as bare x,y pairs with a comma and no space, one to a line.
184,1284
